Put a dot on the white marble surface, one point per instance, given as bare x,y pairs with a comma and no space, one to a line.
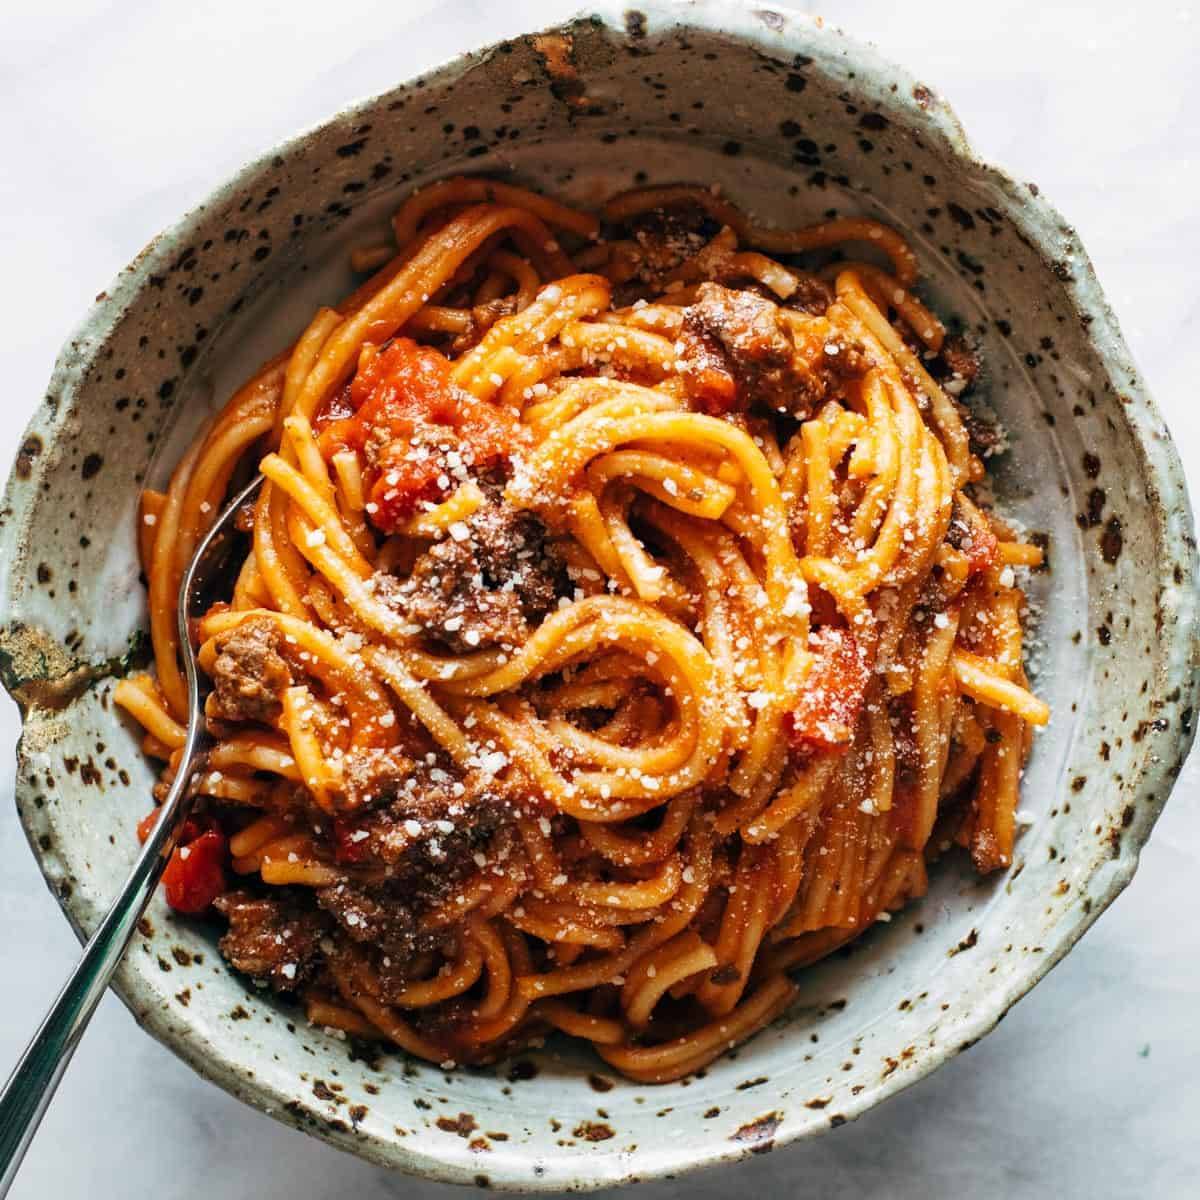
114,117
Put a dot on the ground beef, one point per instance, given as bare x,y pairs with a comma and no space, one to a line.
987,436
740,354
276,939
371,777
486,586
957,367
426,820
374,915
374,779
426,862
813,296
666,238
428,438
249,672
958,364
482,318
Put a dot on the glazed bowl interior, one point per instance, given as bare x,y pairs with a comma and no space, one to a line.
793,122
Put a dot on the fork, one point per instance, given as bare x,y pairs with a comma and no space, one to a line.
30,1087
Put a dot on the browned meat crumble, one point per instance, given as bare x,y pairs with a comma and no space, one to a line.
274,939
249,672
483,585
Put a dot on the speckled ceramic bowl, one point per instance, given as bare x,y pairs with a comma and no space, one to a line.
793,120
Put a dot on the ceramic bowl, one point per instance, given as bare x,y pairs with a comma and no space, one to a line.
793,120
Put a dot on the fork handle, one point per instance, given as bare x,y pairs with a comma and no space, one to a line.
31,1086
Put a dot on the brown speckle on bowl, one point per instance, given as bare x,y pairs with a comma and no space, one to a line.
1112,541
463,1125
967,943
30,448
593,1131
758,1135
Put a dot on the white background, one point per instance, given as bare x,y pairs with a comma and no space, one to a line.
115,117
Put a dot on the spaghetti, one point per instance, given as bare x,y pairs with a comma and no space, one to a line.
615,631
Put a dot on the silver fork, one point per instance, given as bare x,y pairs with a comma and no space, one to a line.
31,1086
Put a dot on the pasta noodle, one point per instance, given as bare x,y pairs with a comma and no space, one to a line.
604,654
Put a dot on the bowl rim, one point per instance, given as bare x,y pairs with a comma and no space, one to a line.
778,32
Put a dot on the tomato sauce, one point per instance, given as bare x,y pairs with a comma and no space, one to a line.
403,406
349,844
972,535
985,548
829,709
195,875
710,383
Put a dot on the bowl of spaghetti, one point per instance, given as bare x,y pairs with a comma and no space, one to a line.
712,635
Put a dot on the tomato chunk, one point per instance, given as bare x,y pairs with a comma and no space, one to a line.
971,533
832,702
195,876
349,841
145,826
191,829
710,382
417,429
985,547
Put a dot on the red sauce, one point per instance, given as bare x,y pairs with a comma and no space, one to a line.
829,709
337,408
404,406
146,825
972,535
711,385
904,810
192,880
984,549
195,876
346,847
191,829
